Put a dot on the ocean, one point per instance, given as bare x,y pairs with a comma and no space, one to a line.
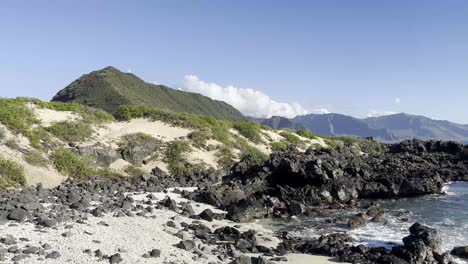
447,213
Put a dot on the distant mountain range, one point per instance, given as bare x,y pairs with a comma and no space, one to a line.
389,128
110,88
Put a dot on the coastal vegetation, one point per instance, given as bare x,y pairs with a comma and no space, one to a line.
11,174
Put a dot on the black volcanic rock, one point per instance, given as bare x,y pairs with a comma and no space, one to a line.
336,176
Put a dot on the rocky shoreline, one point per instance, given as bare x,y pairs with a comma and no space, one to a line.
289,184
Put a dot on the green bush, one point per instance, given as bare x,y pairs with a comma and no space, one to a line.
11,174
71,131
248,150
258,156
16,115
88,114
2,133
249,130
307,134
134,171
291,138
36,158
361,144
38,137
331,143
278,146
138,139
180,168
107,172
219,128
12,144
175,156
225,156
73,165
199,138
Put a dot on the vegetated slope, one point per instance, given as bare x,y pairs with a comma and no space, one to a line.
406,126
110,88
50,141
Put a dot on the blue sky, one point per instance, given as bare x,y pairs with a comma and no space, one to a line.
354,57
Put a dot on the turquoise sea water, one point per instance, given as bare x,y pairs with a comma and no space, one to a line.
447,213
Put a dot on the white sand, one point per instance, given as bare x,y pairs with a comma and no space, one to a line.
135,235
48,116
308,259
110,134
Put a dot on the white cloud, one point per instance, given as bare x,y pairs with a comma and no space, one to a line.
321,111
249,101
397,100
375,113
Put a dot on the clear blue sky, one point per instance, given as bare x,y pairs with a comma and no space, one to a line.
347,56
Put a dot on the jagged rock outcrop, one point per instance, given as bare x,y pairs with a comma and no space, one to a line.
337,176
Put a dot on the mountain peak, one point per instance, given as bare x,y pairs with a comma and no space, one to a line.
110,88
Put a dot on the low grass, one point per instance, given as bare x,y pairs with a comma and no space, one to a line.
247,150
88,114
361,144
278,146
2,133
11,174
138,139
71,131
107,172
176,157
71,164
36,158
13,144
226,157
291,138
307,134
219,128
199,138
134,171
249,130
17,116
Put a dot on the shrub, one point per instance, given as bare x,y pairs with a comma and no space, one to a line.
247,150
73,165
199,138
219,128
71,131
12,144
331,143
180,168
249,130
88,114
38,137
225,156
36,158
307,134
2,133
176,150
11,174
175,156
138,139
291,138
134,171
257,155
107,172
16,115
278,146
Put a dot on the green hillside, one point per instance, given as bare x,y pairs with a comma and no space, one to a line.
110,88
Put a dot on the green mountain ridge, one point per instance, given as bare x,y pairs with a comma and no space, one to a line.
109,88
